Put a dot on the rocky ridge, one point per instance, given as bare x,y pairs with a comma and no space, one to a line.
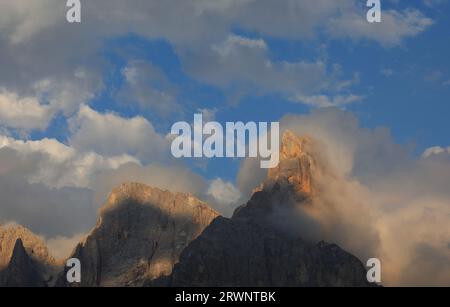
139,235
24,258
252,249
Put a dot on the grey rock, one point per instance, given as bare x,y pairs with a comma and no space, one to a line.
22,271
139,236
234,253
25,259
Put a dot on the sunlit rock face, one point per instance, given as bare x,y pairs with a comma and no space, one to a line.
256,247
289,184
25,259
296,164
139,236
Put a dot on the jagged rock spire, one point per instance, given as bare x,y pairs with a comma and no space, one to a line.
296,164
22,271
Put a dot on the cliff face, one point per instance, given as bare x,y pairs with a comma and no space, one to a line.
22,271
253,248
296,166
289,184
24,259
139,236
233,253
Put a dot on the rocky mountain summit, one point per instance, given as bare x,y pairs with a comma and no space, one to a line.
25,259
253,248
289,184
139,236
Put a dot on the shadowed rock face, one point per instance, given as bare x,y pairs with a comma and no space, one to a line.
25,259
238,254
139,236
254,249
22,271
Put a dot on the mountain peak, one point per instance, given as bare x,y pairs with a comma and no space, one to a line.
138,193
139,236
33,244
296,167
22,270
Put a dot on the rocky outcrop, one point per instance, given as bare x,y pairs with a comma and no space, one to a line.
254,248
296,165
25,259
139,236
234,253
289,184
22,271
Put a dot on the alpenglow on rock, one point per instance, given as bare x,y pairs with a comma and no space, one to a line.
289,184
254,248
139,236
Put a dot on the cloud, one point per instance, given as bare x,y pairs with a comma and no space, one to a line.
387,72
437,150
221,195
61,247
242,66
45,210
23,113
250,176
225,193
56,190
68,92
45,185
109,135
149,87
390,32
203,20
434,3
52,163
174,178
38,57
23,20
323,101
374,197
208,115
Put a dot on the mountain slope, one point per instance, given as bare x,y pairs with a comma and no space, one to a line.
24,258
139,236
22,271
238,254
256,247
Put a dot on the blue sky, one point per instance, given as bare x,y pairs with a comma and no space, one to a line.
82,103
405,87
